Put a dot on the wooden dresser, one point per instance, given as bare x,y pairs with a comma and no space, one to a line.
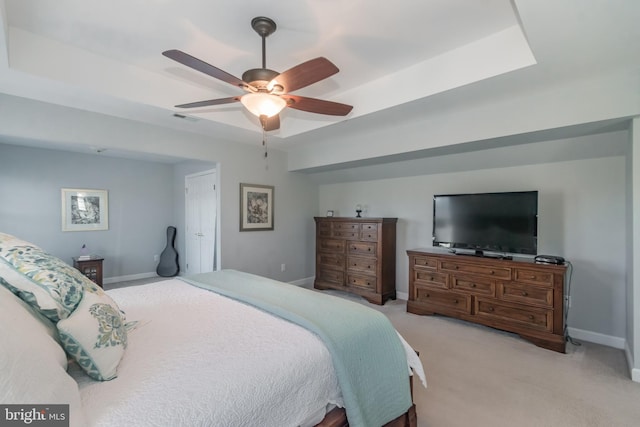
357,255
518,296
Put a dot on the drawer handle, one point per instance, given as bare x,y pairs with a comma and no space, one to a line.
531,317
456,267
524,294
368,284
473,285
369,267
492,272
455,301
490,308
428,295
431,278
369,249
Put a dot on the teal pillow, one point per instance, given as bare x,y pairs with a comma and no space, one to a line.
95,334
47,283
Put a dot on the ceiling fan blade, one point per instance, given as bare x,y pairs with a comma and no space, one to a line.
319,106
304,74
270,123
210,102
203,67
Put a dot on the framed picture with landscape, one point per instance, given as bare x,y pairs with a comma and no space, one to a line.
256,207
84,209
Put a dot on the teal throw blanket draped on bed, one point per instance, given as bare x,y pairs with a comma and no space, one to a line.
367,354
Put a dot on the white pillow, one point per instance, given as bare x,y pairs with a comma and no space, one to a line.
95,334
32,363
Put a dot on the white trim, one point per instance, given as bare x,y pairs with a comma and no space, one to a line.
307,282
598,338
633,372
117,279
402,295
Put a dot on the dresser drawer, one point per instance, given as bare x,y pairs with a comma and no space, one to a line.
331,245
425,261
330,276
344,234
526,294
461,267
431,278
533,276
331,260
362,248
324,232
473,284
366,265
346,226
369,232
522,316
441,298
364,282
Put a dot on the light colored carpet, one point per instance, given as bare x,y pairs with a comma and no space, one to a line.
478,376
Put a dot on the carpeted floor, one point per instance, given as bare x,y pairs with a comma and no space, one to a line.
478,376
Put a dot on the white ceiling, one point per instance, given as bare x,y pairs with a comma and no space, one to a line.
105,57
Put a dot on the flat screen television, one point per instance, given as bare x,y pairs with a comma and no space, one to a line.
492,222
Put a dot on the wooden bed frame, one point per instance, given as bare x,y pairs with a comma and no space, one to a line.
337,417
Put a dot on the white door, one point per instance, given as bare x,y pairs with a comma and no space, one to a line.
200,234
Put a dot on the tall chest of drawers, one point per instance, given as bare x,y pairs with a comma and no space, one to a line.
357,255
515,296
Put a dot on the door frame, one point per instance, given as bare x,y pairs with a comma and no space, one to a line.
217,249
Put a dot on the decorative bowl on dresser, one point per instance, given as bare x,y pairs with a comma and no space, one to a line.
518,296
357,255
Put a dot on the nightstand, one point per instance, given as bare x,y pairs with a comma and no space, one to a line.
92,268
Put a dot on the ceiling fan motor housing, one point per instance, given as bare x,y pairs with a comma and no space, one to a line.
259,77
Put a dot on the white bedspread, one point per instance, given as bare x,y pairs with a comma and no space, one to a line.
200,359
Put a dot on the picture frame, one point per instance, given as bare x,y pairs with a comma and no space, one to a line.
329,213
85,209
256,207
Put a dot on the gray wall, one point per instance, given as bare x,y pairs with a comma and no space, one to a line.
140,205
146,197
582,209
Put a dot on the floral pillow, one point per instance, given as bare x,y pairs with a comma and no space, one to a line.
47,283
95,334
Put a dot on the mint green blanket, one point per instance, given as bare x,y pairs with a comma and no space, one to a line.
367,354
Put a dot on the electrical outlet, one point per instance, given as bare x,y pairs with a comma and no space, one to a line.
156,258
283,267
567,300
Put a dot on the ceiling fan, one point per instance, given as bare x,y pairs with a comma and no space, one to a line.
268,90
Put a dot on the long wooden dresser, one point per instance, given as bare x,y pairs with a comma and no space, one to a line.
357,255
518,296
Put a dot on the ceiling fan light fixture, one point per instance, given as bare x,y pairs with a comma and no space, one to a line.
263,104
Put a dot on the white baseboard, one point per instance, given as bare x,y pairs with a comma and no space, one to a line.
598,338
634,372
117,279
402,295
307,282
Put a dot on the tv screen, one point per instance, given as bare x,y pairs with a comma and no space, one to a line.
494,222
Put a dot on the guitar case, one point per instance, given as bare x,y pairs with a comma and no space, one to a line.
168,266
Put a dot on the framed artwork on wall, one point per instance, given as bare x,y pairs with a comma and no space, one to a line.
85,209
256,207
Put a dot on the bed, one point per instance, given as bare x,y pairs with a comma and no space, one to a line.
205,350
